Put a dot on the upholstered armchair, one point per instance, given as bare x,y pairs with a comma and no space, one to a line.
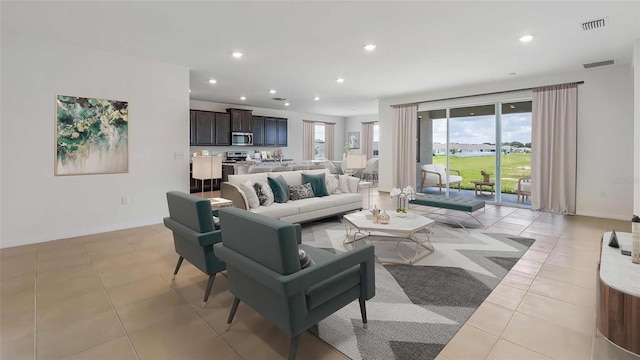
524,189
194,234
264,272
436,175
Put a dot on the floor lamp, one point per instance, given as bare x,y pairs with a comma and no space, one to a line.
207,167
356,161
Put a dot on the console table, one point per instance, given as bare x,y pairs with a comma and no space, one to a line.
618,295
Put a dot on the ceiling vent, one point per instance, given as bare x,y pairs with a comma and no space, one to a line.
598,63
595,24
279,99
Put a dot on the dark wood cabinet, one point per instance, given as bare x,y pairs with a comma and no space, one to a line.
240,120
270,131
192,127
281,126
223,132
205,129
257,126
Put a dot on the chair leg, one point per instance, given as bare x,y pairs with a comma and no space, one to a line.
175,272
293,348
363,312
232,313
208,291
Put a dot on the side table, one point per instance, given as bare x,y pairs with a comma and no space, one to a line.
478,184
218,203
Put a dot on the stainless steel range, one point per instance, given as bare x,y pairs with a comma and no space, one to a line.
235,156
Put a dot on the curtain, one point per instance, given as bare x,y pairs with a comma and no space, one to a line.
329,140
367,139
405,119
553,150
308,140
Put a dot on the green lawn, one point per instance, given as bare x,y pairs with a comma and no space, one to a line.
514,166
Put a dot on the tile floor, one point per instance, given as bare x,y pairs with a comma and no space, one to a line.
111,296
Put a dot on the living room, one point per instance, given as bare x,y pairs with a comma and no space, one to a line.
39,62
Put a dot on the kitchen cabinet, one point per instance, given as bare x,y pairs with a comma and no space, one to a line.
240,120
281,126
257,126
223,132
270,131
192,127
205,129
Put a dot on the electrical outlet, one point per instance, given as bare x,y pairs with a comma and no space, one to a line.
124,200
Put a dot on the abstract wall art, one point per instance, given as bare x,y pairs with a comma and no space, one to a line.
91,136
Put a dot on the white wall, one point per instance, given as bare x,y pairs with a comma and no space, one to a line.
636,187
294,129
354,123
605,134
38,206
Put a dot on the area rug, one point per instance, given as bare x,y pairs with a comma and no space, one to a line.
417,309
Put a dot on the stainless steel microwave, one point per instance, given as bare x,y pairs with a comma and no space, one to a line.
241,138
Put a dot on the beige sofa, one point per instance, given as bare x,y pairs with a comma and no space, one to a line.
298,210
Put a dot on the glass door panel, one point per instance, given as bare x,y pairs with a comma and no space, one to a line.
515,164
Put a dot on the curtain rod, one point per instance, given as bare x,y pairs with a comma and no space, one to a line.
323,122
489,93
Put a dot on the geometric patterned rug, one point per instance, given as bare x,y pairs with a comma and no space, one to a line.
417,309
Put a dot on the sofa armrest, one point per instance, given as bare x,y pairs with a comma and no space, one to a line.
288,285
201,239
235,194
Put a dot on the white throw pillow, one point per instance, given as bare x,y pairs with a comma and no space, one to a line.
333,184
250,192
344,184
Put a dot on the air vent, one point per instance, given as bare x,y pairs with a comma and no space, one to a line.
595,24
599,63
279,99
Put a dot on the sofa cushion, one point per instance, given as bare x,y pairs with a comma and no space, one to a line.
317,183
280,189
344,184
344,199
304,191
250,193
277,210
239,179
291,177
264,192
308,205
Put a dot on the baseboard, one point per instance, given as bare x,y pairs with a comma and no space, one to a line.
598,214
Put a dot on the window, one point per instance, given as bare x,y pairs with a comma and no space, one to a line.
319,143
376,138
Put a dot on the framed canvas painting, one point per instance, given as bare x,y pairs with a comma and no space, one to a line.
353,139
91,136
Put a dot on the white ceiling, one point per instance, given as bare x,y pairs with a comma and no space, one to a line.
300,48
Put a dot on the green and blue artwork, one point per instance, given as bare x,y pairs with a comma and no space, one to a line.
91,136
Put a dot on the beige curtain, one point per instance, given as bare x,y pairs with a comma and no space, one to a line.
308,140
553,157
405,119
329,140
367,139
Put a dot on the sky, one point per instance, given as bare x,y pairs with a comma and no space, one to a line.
482,129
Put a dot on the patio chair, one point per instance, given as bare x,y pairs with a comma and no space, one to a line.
436,175
524,189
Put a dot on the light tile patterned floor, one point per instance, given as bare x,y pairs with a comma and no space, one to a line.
110,296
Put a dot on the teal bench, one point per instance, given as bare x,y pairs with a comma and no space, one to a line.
439,202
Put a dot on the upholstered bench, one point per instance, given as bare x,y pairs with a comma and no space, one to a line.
439,202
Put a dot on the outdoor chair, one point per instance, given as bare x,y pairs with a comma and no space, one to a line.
524,189
265,272
436,175
194,234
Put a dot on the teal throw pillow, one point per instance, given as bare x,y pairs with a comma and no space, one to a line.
317,184
280,189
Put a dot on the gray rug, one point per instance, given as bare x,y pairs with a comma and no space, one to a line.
417,309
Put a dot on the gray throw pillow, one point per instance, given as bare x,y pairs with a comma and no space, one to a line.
303,191
265,195
305,260
333,184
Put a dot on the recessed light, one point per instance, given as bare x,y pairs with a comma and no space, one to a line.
272,91
472,113
512,74
369,47
512,106
526,38
316,98
243,98
340,80
237,54
286,104
189,90
212,81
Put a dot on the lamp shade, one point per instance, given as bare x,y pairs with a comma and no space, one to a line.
356,161
207,167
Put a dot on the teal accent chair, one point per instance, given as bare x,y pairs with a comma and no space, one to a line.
191,221
263,270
